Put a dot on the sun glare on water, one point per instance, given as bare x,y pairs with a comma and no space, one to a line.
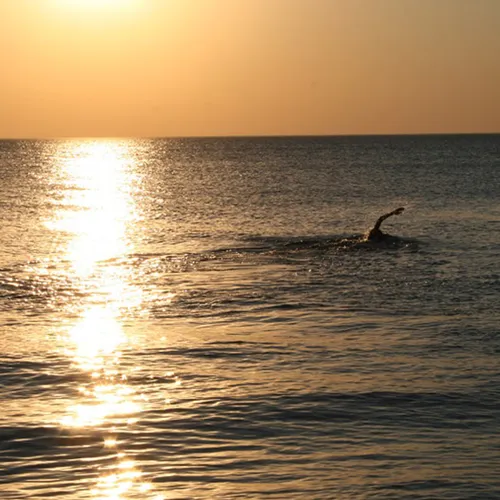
93,221
97,181
98,205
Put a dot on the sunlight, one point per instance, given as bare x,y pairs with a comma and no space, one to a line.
113,15
98,205
106,399
96,4
96,339
122,481
98,334
97,179
93,221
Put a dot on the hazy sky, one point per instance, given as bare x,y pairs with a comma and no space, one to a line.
248,67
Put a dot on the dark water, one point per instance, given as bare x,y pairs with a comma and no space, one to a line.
200,319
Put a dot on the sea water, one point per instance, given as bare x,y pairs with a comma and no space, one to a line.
201,319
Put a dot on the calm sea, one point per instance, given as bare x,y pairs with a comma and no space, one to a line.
200,319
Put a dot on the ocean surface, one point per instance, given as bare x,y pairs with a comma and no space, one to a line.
203,319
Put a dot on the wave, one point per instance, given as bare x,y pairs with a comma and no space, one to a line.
324,242
268,414
21,378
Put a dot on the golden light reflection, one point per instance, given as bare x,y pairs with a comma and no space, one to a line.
98,205
104,402
93,220
110,442
124,479
96,337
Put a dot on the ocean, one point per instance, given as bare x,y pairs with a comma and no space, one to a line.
204,319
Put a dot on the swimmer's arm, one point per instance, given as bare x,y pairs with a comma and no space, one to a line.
382,218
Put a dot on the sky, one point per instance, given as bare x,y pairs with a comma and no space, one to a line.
149,68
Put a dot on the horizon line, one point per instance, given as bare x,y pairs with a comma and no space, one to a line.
245,136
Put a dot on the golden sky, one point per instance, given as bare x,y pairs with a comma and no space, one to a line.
248,67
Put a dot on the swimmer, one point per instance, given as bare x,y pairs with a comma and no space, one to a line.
375,233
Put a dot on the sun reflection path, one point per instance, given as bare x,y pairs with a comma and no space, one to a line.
98,181
96,341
